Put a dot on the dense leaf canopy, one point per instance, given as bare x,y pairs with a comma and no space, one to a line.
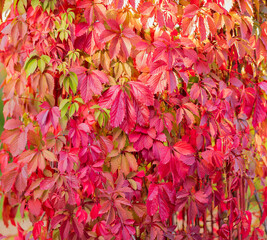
131,119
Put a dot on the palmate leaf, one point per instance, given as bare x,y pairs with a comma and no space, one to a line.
126,161
14,176
36,159
161,196
90,83
120,40
49,116
14,137
78,133
9,177
96,10
43,82
124,111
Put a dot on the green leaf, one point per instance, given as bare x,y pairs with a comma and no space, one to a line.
7,5
21,6
63,103
45,4
97,113
61,36
72,14
35,3
73,82
72,110
66,84
41,65
63,122
79,100
76,106
95,106
100,120
46,58
2,119
53,5
57,24
66,35
61,79
64,16
107,111
64,109
3,73
70,17
31,66
106,117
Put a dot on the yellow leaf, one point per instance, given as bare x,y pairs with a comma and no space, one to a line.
125,165
132,161
49,156
133,184
264,160
115,163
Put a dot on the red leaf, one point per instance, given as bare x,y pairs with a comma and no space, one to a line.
78,227
21,182
65,229
118,110
113,25
201,197
15,136
47,183
47,117
259,112
107,35
95,211
202,29
158,67
184,148
172,81
190,10
114,47
126,46
129,33
37,229
130,116
56,220
109,96
152,200
141,93
89,85
164,209
165,154
35,207
12,124
158,82
8,179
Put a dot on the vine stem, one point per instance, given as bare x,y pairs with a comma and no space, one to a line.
239,227
261,210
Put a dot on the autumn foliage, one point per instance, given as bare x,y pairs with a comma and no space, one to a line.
134,119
